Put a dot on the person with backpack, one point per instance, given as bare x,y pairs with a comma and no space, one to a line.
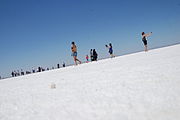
74,53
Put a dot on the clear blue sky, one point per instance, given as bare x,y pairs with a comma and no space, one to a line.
39,32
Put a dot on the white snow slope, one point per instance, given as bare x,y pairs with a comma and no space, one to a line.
139,86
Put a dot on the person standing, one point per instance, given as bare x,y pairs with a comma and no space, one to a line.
33,70
87,58
12,74
18,74
64,65
39,69
22,73
15,73
94,55
144,39
91,55
74,53
110,50
58,66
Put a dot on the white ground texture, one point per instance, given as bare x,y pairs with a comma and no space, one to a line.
139,86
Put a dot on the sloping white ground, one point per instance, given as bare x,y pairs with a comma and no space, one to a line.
140,86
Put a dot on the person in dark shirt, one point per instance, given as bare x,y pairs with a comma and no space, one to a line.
95,55
58,66
64,65
110,50
144,39
22,73
12,74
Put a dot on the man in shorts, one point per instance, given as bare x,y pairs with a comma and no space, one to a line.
74,53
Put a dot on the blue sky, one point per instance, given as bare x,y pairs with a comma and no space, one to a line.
39,32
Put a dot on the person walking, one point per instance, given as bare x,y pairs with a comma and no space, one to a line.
144,39
74,53
110,50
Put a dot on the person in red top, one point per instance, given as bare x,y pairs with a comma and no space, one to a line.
87,58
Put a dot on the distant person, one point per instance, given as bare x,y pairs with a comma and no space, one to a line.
145,40
28,72
95,55
58,66
15,73
18,74
64,65
22,73
87,58
39,69
110,50
91,55
74,53
42,69
12,74
33,70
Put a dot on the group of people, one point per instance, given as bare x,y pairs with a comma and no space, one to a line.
39,69
18,73
94,55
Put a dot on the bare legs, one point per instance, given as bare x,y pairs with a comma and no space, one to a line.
112,55
75,60
145,47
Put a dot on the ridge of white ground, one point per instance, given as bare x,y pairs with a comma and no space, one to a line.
139,86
